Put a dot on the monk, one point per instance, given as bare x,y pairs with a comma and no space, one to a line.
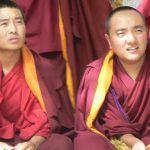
114,100
31,115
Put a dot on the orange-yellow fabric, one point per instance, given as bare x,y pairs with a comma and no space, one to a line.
30,74
69,80
104,81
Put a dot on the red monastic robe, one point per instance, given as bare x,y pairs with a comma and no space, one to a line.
125,110
20,122
21,113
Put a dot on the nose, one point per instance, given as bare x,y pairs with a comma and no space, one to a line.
130,38
12,28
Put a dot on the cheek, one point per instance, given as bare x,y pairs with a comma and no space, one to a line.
22,33
117,43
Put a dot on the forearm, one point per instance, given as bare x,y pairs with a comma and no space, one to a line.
37,140
129,139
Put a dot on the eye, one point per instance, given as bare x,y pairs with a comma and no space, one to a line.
19,21
139,30
120,34
3,24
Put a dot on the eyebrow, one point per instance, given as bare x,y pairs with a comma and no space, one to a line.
6,19
20,17
135,27
139,26
3,20
121,29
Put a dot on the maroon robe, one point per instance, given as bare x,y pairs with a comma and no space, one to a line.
43,36
84,28
57,103
126,111
54,93
42,24
143,7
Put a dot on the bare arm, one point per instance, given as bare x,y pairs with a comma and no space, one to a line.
133,142
37,140
33,143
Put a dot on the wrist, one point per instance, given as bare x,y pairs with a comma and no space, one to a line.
129,139
33,144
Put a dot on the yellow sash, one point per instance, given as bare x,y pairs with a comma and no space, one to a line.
104,81
30,74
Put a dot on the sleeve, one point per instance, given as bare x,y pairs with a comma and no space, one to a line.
34,120
146,134
84,97
6,127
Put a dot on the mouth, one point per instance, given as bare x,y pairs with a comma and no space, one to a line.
132,49
14,39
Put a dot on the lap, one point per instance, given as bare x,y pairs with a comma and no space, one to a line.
57,142
88,140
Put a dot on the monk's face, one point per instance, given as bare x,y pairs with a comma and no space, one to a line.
128,36
12,29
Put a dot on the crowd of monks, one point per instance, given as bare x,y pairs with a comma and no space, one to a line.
51,85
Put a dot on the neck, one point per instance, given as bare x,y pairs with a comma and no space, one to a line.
8,60
133,69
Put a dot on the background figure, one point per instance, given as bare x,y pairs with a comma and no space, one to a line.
43,37
84,29
83,23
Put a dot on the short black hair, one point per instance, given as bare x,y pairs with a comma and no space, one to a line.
118,9
10,4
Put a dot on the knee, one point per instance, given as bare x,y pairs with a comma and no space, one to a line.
57,142
88,140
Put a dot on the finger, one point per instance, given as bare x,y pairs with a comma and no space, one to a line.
8,147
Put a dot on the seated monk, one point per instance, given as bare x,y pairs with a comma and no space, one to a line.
32,115
113,101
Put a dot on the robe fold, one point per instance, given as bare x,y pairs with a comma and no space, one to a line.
125,109
54,92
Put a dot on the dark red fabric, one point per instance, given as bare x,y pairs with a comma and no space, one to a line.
54,92
21,113
84,28
58,109
91,141
133,97
143,7
41,19
57,142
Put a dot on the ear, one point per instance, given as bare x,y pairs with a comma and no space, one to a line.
108,40
148,32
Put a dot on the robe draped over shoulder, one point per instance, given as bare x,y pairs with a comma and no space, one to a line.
54,92
132,97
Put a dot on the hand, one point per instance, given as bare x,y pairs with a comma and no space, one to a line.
25,146
139,145
4,146
148,147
